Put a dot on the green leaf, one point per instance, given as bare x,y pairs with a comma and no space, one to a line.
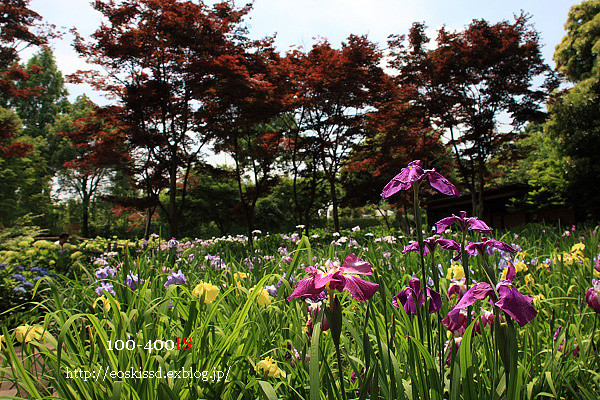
268,390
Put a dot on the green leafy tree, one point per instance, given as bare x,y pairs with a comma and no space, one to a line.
83,177
212,198
24,188
575,112
39,112
541,166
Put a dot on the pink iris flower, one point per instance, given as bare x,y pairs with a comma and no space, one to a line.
509,300
471,223
412,298
332,276
475,248
592,297
414,172
430,244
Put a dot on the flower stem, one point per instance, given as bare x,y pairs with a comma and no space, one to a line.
335,323
424,280
464,259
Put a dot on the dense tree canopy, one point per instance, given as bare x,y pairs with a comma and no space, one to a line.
308,131
16,32
468,80
332,91
575,111
161,56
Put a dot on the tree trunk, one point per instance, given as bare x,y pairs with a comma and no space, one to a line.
149,214
173,220
480,203
243,202
334,201
249,223
385,216
85,217
473,201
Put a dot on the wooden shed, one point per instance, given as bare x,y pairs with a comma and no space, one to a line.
498,212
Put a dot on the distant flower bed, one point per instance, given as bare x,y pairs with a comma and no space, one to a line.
463,313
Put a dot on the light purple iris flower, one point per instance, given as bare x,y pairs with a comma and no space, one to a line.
430,244
133,281
475,248
176,279
471,223
336,277
509,299
412,298
593,296
105,272
105,287
272,289
414,172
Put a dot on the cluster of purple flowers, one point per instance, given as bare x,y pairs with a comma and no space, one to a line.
106,272
23,283
215,261
505,299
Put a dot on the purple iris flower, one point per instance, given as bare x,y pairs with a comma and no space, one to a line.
40,270
506,297
475,248
272,289
557,332
176,279
19,277
105,272
105,287
471,223
335,277
412,298
593,296
414,172
133,281
458,287
430,244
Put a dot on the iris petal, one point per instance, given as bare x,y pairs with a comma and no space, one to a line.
442,184
360,289
356,265
516,304
305,288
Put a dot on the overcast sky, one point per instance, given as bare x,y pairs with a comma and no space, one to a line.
298,22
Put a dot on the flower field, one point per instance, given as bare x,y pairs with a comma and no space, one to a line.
351,315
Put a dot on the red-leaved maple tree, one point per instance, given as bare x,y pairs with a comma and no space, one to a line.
161,57
16,23
241,111
468,80
99,141
332,90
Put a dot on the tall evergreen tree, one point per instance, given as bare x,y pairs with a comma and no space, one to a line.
575,112
40,111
